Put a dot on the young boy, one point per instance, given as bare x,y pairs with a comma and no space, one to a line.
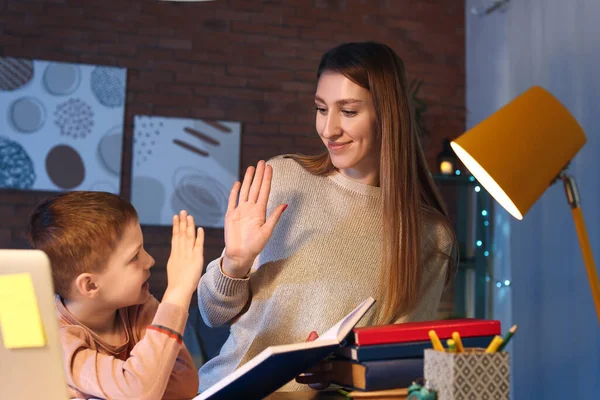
118,341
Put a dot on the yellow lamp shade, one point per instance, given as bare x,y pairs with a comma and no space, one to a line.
519,150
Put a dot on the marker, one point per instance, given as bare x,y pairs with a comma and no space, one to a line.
507,337
458,342
451,346
435,341
494,344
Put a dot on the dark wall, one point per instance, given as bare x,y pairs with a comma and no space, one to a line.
251,61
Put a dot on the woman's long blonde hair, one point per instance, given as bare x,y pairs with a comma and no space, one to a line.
405,180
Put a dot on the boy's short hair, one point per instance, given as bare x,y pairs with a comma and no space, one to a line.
78,231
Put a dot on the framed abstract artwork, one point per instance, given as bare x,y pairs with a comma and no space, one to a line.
61,126
181,164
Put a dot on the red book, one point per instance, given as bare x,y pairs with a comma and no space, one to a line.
419,331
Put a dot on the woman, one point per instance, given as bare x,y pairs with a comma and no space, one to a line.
364,219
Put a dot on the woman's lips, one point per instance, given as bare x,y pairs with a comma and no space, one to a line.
337,145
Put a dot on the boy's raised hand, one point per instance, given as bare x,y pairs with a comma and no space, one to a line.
247,228
186,261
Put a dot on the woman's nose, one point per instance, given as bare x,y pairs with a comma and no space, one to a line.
331,127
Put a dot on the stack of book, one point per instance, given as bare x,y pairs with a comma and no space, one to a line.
370,359
380,358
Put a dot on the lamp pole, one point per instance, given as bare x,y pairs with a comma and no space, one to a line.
584,242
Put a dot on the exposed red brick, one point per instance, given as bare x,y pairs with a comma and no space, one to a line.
175,43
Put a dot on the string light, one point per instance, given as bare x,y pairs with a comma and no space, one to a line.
497,282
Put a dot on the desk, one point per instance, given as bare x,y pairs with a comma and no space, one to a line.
329,395
293,396
305,396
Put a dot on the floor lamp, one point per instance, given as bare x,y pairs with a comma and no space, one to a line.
523,148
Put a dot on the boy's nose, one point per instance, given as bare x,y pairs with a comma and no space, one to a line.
151,261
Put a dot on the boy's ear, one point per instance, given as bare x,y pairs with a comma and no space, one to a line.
86,286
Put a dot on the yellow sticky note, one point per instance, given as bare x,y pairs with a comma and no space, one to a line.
19,313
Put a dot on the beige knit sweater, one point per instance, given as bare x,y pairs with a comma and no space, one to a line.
322,261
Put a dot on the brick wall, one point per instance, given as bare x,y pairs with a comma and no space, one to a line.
252,61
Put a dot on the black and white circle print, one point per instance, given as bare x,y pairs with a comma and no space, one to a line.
65,167
27,114
75,118
109,150
14,73
61,79
16,167
108,85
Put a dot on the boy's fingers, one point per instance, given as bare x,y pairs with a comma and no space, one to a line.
182,227
175,225
182,221
175,230
199,245
190,232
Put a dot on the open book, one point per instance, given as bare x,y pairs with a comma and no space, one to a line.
277,365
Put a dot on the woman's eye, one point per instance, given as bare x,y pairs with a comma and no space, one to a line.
349,113
135,258
322,110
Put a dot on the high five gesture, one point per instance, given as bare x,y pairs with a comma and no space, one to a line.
247,228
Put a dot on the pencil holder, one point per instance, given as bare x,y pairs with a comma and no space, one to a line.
470,375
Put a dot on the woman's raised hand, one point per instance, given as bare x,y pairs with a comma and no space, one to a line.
247,228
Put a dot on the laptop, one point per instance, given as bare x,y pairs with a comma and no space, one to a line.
36,372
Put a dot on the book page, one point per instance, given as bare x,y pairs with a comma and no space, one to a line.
282,363
339,331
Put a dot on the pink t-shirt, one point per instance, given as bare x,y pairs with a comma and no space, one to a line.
151,364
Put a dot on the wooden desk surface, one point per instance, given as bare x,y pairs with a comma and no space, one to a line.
305,396
331,395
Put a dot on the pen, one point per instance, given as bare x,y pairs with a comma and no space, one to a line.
435,341
458,342
507,337
494,344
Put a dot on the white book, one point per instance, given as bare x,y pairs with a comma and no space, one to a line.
277,365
